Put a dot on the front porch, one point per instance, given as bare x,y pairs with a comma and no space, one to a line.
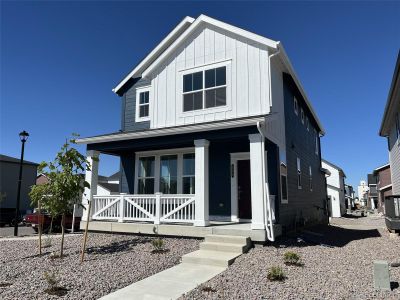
183,230
184,182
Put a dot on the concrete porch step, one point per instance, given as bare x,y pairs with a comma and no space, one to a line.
229,239
210,257
226,247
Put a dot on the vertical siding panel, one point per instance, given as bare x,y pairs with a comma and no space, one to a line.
189,55
264,81
199,49
171,93
242,79
209,49
219,46
253,59
162,103
179,65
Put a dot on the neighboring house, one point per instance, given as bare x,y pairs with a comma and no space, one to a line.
216,120
390,128
108,185
9,174
372,192
363,193
384,185
41,179
350,197
335,189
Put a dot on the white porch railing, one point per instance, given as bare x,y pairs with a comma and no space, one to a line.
154,208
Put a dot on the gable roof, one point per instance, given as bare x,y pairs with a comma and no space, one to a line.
189,25
392,103
160,48
10,159
334,166
381,168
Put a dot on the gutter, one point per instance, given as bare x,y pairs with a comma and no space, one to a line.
266,206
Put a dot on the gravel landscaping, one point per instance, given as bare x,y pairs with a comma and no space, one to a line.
113,261
341,269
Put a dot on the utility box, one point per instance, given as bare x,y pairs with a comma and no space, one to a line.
381,275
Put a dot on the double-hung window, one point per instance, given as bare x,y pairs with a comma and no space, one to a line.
169,174
143,104
146,175
204,89
166,172
188,174
298,174
302,116
295,106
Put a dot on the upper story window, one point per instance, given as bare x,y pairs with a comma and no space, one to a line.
298,174
204,89
316,142
302,116
295,106
143,104
308,123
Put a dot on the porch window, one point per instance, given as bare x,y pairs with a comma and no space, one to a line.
204,89
188,174
284,188
146,175
168,174
298,174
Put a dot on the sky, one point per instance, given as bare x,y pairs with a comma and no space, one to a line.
60,60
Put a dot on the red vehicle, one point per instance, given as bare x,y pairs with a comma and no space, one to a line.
45,219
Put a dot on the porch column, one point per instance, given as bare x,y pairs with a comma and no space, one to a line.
257,151
91,177
201,183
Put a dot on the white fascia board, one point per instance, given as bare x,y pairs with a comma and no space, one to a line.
172,130
136,71
382,167
290,68
204,19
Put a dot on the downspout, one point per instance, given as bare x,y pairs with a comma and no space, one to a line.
266,206
269,71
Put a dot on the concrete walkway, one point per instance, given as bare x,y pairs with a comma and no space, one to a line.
169,284
216,253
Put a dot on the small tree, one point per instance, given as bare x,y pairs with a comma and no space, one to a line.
65,185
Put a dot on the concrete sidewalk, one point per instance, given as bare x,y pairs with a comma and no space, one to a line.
168,284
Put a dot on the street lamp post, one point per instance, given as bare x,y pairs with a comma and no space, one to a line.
24,137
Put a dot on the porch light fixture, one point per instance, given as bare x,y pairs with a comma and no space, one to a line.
23,136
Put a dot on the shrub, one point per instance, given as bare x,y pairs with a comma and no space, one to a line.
158,244
52,280
276,274
292,258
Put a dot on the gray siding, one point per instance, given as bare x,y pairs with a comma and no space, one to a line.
129,108
9,173
394,158
304,205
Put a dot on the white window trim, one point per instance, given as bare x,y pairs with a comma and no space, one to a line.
298,173
139,90
295,106
225,63
157,155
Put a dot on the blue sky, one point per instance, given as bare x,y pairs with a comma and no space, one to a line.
60,60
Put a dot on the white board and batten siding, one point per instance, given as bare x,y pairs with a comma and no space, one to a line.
247,78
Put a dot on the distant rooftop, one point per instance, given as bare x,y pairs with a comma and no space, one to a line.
10,159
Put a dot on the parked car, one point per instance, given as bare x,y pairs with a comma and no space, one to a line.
45,219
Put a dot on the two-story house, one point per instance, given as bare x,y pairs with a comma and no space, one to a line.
390,128
215,127
335,189
384,185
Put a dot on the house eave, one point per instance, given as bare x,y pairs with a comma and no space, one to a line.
391,101
206,126
136,72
